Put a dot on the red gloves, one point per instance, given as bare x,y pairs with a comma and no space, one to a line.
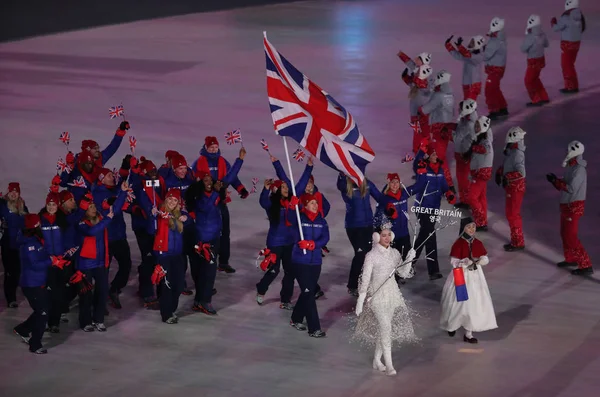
306,245
123,127
422,167
424,144
79,281
553,21
450,197
85,202
158,274
56,180
293,202
405,58
59,262
125,206
269,261
133,164
105,205
390,211
204,249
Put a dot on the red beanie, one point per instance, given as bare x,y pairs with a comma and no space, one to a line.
65,196
53,198
430,150
276,185
391,177
311,179
32,221
210,140
307,198
200,174
175,193
85,157
178,161
88,144
102,173
170,154
14,187
147,165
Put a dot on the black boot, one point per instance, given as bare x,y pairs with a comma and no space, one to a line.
493,116
226,268
435,276
451,333
503,112
481,228
113,297
534,104
569,91
512,248
566,264
470,340
582,272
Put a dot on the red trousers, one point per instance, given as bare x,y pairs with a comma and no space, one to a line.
494,99
471,91
478,195
534,85
515,191
569,224
569,50
463,169
424,123
440,141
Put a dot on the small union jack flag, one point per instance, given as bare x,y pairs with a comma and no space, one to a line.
130,195
264,144
407,158
65,138
164,215
61,166
253,190
416,126
115,111
233,137
255,181
299,155
79,182
132,143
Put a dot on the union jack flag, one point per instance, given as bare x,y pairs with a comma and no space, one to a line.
264,144
132,143
233,137
299,155
79,182
65,138
130,195
61,166
303,111
115,111
416,127
255,180
407,158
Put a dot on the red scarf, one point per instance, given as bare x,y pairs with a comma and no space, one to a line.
319,198
90,177
310,215
158,196
396,195
285,204
202,165
572,162
49,217
435,166
161,240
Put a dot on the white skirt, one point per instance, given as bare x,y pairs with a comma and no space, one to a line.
475,314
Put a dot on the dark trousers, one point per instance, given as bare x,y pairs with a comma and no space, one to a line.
189,253
225,242
12,272
119,249
36,323
206,273
145,243
360,238
427,225
93,304
171,286
284,258
57,295
306,306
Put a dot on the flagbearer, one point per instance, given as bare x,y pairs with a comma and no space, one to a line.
211,161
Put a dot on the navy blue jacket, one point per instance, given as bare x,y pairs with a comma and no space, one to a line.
208,215
279,234
358,209
14,223
213,166
53,235
400,204
301,185
317,231
175,245
70,234
117,229
434,185
35,262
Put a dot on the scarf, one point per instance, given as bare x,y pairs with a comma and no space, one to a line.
285,204
202,165
435,166
396,195
310,215
49,217
161,240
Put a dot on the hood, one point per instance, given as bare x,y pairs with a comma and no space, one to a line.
521,145
581,161
211,156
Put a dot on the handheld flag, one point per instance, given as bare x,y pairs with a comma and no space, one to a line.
61,166
116,111
265,146
132,144
416,127
460,284
65,138
79,182
233,137
407,158
304,112
299,155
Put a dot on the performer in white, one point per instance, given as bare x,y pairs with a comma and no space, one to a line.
475,314
386,317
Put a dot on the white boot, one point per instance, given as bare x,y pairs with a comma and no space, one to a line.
377,364
387,358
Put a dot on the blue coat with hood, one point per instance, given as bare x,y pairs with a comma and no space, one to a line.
358,208
35,262
117,229
433,182
302,183
400,203
213,167
315,230
13,223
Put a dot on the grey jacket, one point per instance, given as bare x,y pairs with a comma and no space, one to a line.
494,53
484,160
576,179
569,25
440,107
535,43
514,159
471,67
464,134
422,97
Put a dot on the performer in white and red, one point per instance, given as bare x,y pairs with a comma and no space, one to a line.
476,314
572,189
534,46
494,56
482,160
511,176
472,59
571,25
463,135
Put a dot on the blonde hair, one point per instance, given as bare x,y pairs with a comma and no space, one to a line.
17,206
174,222
350,187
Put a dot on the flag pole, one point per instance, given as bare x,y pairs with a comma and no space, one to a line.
287,156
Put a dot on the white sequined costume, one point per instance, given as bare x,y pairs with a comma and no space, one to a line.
386,317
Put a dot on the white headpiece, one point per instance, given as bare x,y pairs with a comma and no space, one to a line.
574,149
570,4
515,134
533,21
442,77
377,236
478,42
425,58
468,107
496,25
484,124
424,72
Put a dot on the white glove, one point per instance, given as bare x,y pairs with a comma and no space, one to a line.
410,256
359,304
484,260
466,262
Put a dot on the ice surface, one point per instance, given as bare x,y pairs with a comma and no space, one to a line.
186,77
